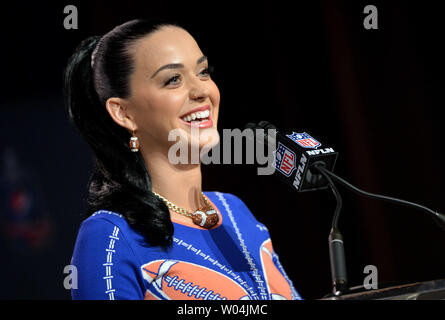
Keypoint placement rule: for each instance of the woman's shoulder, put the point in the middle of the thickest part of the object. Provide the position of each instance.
(103, 220)
(104, 216)
(223, 196)
(103, 226)
(232, 204)
(228, 199)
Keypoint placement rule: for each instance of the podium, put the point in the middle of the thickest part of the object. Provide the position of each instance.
(428, 290)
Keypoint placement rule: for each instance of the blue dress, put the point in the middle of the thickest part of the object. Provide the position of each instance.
(234, 260)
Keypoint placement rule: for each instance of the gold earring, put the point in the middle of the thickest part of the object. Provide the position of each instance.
(134, 143)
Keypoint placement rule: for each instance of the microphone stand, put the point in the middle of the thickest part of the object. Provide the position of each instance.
(336, 246)
(338, 263)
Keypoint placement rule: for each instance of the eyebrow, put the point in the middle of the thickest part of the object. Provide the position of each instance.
(177, 65)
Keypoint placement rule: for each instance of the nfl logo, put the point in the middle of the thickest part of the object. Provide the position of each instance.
(304, 140)
(284, 160)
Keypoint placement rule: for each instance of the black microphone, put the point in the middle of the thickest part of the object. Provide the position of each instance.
(297, 156)
(294, 155)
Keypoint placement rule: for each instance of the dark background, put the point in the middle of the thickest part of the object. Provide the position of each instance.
(374, 95)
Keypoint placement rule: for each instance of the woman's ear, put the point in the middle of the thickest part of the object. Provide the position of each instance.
(117, 109)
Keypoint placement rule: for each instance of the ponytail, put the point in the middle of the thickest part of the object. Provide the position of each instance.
(120, 181)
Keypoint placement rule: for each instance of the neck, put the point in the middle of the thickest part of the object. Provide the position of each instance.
(178, 183)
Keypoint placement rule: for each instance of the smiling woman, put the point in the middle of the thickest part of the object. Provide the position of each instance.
(152, 233)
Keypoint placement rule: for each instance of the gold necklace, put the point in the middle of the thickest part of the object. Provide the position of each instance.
(205, 217)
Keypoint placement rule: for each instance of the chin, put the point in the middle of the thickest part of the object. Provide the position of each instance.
(203, 138)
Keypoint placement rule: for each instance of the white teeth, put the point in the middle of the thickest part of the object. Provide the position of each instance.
(197, 115)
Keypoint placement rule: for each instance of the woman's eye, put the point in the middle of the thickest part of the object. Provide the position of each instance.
(172, 80)
(207, 71)
(177, 78)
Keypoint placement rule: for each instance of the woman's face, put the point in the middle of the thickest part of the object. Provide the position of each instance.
(171, 89)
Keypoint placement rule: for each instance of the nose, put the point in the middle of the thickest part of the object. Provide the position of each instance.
(198, 90)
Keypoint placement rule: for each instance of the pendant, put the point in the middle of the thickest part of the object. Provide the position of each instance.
(205, 219)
